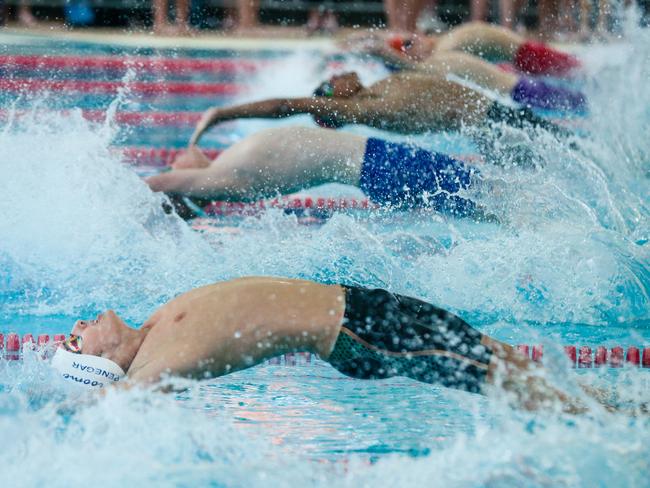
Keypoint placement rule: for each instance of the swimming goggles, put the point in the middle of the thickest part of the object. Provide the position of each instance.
(325, 89)
(73, 344)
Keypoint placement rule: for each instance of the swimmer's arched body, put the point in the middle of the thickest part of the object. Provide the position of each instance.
(488, 41)
(287, 159)
(403, 102)
(522, 89)
(368, 334)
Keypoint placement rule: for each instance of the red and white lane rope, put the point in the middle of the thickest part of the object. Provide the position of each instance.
(111, 87)
(122, 63)
(292, 204)
(124, 118)
(579, 356)
(159, 65)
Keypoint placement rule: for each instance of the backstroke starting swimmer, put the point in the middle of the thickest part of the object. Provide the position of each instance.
(364, 333)
(287, 159)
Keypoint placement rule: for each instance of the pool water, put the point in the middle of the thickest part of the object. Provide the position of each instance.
(80, 232)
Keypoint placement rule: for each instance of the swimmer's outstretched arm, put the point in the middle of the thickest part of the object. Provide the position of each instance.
(370, 112)
(272, 109)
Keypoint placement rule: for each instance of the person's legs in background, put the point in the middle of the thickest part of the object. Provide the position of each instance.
(478, 10)
(402, 15)
(547, 12)
(507, 13)
(248, 14)
(161, 24)
(25, 16)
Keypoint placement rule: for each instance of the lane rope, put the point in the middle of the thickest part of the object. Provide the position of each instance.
(112, 87)
(160, 65)
(140, 63)
(125, 118)
(315, 206)
(13, 348)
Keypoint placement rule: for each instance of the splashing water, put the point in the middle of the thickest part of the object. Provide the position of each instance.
(80, 232)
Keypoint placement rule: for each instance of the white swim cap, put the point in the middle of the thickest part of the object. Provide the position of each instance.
(86, 370)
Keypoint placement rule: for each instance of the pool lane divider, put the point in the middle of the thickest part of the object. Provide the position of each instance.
(149, 64)
(590, 356)
(161, 65)
(155, 119)
(112, 87)
(13, 347)
(314, 206)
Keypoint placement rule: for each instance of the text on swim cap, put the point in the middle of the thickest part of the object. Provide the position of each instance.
(96, 371)
(83, 381)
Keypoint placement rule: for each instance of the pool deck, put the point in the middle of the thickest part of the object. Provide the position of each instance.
(263, 37)
(267, 37)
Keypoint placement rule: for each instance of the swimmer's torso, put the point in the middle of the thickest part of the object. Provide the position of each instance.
(418, 102)
(209, 330)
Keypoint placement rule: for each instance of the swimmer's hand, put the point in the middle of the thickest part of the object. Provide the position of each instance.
(208, 119)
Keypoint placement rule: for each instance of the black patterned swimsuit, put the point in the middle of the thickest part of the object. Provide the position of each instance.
(386, 335)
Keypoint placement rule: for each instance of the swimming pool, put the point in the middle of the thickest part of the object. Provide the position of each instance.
(80, 232)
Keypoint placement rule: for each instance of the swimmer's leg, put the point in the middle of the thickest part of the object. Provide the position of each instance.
(525, 380)
(385, 335)
(482, 39)
(498, 43)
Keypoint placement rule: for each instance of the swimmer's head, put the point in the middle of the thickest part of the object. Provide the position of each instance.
(85, 370)
(413, 46)
(400, 43)
(94, 355)
(101, 336)
(345, 85)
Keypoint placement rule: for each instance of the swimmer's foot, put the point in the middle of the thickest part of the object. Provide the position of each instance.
(193, 158)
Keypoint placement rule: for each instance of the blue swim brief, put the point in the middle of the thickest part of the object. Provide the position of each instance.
(406, 176)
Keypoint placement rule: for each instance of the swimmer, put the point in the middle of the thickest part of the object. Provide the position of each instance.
(364, 333)
(525, 90)
(407, 102)
(287, 159)
(488, 41)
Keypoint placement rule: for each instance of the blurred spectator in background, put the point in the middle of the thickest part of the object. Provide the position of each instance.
(25, 15)
(402, 15)
(322, 19)
(547, 13)
(584, 18)
(428, 20)
(161, 24)
(78, 13)
(247, 14)
(413, 16)
(508, 11)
